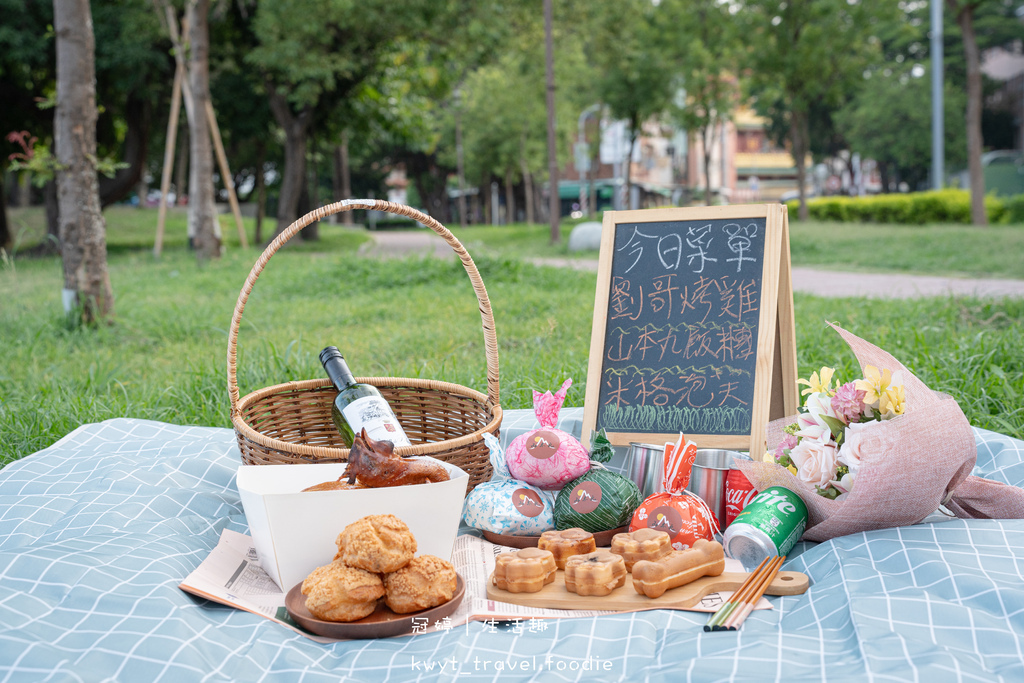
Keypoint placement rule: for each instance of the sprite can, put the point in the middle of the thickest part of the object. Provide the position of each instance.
(769, 525)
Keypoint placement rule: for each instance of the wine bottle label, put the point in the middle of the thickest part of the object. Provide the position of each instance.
(373, 414)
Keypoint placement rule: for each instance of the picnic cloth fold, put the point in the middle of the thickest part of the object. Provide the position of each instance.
(911, 465)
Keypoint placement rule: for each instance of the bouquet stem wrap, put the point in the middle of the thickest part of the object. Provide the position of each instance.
(910, 465)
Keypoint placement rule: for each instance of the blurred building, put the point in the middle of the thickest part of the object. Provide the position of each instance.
(667, 166)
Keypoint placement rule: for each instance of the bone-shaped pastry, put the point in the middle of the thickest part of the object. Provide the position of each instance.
(653, 577)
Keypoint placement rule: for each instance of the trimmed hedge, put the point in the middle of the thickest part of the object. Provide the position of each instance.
(915, 208)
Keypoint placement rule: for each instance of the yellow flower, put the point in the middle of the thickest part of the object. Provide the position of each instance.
(894, 402)
(770, 457)
(874, 384)
(820, 382)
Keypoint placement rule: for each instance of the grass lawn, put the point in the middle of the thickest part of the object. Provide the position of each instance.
(164, 359)
(954, 250)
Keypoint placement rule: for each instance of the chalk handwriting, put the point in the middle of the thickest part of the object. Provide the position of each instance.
(699, 239)
(739, 242)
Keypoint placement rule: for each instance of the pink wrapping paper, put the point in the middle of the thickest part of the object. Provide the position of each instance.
(555, 466)
(914, 463)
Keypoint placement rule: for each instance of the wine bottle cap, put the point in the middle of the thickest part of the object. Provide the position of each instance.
(328, 353)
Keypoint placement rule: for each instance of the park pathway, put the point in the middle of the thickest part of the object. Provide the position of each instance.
(805, 280)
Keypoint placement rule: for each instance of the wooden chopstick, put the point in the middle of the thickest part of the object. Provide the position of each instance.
(739, 616)
(715, 622)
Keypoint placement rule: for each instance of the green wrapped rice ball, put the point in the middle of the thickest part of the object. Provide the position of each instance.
(596, 501)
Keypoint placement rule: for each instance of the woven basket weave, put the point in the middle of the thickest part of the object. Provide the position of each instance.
(291, 423)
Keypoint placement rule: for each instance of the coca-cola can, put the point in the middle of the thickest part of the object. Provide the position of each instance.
(738, 493)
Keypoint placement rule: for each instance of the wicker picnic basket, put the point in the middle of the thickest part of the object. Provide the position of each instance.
(291, 423)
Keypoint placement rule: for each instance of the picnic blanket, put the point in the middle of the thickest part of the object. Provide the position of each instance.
(98, 530)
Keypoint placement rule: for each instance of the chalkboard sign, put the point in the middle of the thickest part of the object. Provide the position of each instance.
(687, 333)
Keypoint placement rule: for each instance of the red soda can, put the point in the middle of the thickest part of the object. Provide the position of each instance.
(738, 493)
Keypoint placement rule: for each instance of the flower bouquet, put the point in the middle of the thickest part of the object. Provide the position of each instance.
(880, 451)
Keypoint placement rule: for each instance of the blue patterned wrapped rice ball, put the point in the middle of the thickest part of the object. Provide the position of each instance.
(505, 505)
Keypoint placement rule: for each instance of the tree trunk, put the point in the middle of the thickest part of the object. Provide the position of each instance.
(24, 189)
(798, 137)
(342, 178)
(136, 139)
(592, 179)
(311, 194)
(510, 198)
(965, 18)
(5, 231)
(485, 191)
(528, 191)
(346, 177)
(203, 226)
(181, 165)
(705, 141)
(82, 231)
(51, 245)
(460, 165)
(261, 191)
(554, 202)
(634, 124)
(295, 128)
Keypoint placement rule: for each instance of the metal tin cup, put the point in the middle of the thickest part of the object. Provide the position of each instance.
(645, 465)
(710, 470)
(770, 525)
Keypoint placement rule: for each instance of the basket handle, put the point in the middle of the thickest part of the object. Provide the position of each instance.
(487, 317)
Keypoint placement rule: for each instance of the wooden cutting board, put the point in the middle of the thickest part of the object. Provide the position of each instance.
(626, 599)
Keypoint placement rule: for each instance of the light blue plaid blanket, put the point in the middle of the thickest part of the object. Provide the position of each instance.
(97, 531)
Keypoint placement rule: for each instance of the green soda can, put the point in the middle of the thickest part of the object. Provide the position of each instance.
(769, 525)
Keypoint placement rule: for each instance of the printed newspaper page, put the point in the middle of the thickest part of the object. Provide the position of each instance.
(232, 575)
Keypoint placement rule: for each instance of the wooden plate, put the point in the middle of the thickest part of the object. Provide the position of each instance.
(626, 599)
(602, 538)
(383, 623)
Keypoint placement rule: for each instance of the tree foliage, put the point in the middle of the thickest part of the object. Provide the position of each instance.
(810, 52)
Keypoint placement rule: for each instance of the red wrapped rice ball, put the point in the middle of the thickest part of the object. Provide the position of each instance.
(686, 518)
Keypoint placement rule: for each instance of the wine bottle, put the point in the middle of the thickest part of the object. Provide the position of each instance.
(359, 406)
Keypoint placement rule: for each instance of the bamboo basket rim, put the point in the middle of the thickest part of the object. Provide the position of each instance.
(324, 454)
(491, 400)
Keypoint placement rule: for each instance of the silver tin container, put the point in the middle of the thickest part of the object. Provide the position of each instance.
(645, 466)
(707, 480)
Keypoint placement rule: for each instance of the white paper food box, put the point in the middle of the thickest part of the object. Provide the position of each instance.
(294, 531)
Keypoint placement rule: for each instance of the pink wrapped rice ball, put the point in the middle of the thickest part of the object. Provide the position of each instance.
(547, 457)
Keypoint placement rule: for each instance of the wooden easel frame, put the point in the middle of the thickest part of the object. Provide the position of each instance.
(775, 388)
(182, 87)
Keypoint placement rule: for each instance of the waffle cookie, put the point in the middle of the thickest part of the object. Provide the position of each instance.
(565, 543)
(597, 573)
(524, 571)
(642, 544)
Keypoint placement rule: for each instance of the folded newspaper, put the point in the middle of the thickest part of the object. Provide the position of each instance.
(231, 575)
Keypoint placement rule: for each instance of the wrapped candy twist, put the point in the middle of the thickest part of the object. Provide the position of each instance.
(506, 506)
(685, 517)
(547, 457)
(598, 500)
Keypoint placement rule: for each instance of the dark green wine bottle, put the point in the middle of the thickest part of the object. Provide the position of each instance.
(360, 406)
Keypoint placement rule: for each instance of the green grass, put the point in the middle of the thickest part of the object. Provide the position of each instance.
(952, 250)
(164, 358)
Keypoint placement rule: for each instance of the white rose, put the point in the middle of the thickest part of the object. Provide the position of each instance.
(815, 462)
(853, 450)
(811, 424)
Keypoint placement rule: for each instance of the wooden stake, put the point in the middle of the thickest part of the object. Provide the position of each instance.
(225, 172)
(165, 179)
(218, 146)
